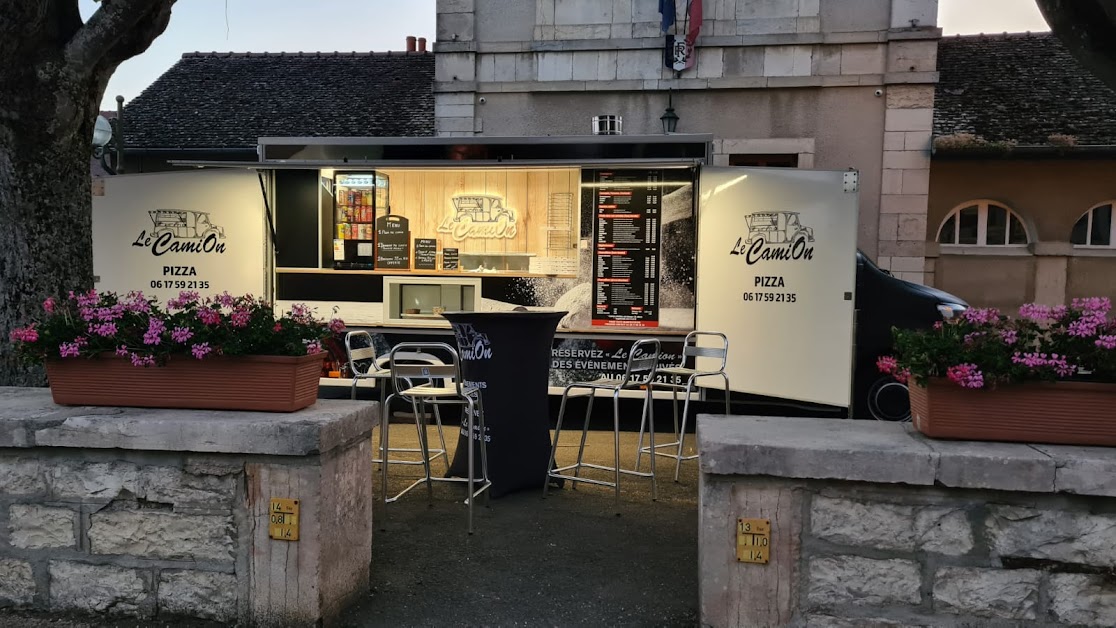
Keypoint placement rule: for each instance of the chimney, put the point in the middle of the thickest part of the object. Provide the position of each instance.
(411, 44)
(422, 44)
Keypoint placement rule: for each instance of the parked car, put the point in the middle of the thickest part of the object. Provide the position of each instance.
(884, 301)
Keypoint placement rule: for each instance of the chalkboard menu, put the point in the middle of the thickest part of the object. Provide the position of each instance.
(450, 259)
(627, 211)
(426, 254)
(393, 242)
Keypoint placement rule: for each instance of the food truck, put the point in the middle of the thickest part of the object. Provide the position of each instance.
(633, 236)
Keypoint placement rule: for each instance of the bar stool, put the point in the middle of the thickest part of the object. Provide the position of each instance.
(443, 386)
(365, 364)
(640, 370)
(690, 350)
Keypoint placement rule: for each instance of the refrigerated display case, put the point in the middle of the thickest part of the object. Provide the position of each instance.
(359, 198)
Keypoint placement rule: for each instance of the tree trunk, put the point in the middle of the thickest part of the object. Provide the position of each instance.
(45, 203)
(1087, 28)
(53, 74)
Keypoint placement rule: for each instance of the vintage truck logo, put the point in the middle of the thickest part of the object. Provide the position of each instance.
(775, 236)
(181, 231)
(473, 344)
(479, 216)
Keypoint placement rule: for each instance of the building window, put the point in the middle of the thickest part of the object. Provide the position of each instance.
(1096, 227)
(983, 223)
(764, 161)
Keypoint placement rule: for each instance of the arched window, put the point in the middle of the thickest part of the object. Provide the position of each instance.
(1096, 227)
(983, 223)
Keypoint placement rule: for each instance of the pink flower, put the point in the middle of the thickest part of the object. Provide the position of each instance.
(1009, 336)
(48, 305)
(1106, 342)
(971, 338)
(966, 375)
(89, 299)
(201, 350)
(104, 330)
(902, 376)
(240, 317)
(226, 300)
(301, 313)
(1086, 326)
(938, 325)
(1038, 361)
(142, 360)
(25, 334)
(1093, 305)
(337, 325)
(209, 316)
(181, 334)
(155, 329)
(135, 302)
(981, 316)
(887, 364)
(122, 351)
(278, 327)
(313, 346)
(69, 350)
(184, 300)
(1035, 313)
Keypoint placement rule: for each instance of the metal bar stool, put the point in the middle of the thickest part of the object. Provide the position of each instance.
(443, 386)
(690, 351)
(365, 364)
(640, 370)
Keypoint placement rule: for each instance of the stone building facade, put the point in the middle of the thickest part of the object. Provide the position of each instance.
(829, 84)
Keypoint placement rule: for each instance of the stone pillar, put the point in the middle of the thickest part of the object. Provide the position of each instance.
(143, 512)
(1051, 271)
(904, 200)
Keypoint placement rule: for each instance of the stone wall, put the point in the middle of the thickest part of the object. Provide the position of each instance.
(182, 530)
(108, 534)
(875, 526)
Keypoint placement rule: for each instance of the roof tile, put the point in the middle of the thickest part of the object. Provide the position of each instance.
(1021, 87)
(229, 100)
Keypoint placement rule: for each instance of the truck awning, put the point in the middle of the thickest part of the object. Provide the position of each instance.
(313, 164)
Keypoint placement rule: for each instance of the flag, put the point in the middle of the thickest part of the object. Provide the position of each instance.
(666, 8)
(694, 16)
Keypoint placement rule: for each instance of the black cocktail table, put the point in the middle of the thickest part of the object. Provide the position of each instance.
(507, 355)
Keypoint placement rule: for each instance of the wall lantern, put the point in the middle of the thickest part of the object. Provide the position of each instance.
(669, 118)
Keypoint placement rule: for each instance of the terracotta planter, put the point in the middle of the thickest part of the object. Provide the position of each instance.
(1064, 413)
(258, 382)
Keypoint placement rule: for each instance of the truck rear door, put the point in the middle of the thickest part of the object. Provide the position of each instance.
(787, 307)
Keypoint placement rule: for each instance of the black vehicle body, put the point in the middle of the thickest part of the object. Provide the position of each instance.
(884, 302)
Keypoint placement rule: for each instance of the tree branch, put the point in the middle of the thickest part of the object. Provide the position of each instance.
(108, 26)
(1087, 28)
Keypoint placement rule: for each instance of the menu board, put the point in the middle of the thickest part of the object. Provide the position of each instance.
(393, 242)
(627, 210)
(450, 259)
(426, 253)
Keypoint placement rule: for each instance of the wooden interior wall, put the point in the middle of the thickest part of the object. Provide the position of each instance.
(424, 198)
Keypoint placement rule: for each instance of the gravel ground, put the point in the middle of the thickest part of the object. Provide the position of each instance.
(568, 560)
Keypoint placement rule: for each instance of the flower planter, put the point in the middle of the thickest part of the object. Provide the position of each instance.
(261, 383)
(1063, 413)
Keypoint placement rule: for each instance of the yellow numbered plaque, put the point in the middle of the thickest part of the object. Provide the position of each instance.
(282, 522)
(753, 540)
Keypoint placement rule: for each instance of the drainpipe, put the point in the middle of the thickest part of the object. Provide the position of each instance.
(119, 135)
